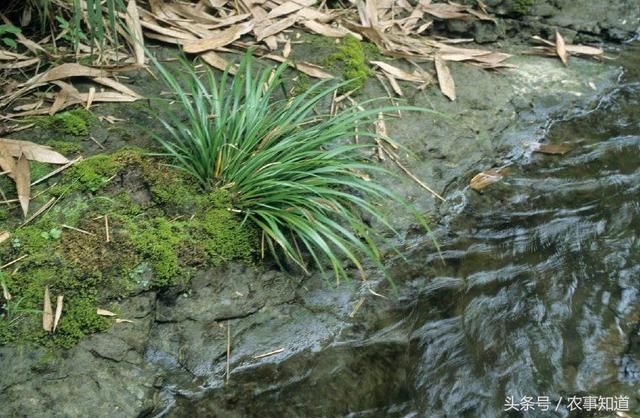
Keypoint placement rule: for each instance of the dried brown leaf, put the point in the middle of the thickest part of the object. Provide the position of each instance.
(47, 312)
(104, 312)
(4, 235)
(303, 67)
(447, 85)
(7, 163)
(117, 86)
(552, 149)
(56, 319)
(418, 77)
(5, 292)
(23, 183)
(583, 50)
(132, 19)
(328, 30)
(216, 61)
(32, 151)
(67, 70)
(561, 50)
(267, 29)
(218, 39)
(444, 11)
(286, 50)
(488, 177)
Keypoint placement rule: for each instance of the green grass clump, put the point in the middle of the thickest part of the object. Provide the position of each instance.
(294, 173)
(352, 60)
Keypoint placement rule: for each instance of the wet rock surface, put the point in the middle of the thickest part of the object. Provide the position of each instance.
(296, 347)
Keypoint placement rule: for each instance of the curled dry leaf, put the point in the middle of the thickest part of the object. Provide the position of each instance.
(445, 80)
(561, 50)
(4, 235)
(552, 149)
(32, 151)
(23, 183)
(104, 312)
(47, 312)
(488, 177)
(5, 292)
(58, 314)
(7, 163)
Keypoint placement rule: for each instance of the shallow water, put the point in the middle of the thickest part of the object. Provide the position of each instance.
(540, 294)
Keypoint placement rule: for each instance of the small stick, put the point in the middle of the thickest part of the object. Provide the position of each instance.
(410, 174)
(228, 351)
(78, 230)
(56, 171)
(13, 262)
(96, 142)
(106, 228)
(270, 353)
(356, 308)
(39, 211)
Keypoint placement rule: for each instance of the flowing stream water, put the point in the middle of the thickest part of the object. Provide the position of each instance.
(538, 306)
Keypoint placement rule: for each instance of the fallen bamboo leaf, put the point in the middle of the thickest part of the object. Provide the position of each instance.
(5, 292)
(286, 50)
(104, 312)
(561, 49)
(419, 77)
(67, 70)
(218, 39)
(329, 31)
(124, 321)
(303, 67)
(217, 62)
(7, 163)
(58, 314)
(23, 183)
(264, 31)
(583, 50)
(47, 312)
(447, 85)
(90, 97)
(552, 149)
(488, 177)
(132, 19)
(4, 235)
(32, 151)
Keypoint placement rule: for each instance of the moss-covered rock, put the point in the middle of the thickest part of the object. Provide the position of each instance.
(151, 244)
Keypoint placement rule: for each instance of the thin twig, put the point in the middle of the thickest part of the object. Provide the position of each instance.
(56, 171)
(39, 211)
(13, 262)
(270, 353)
(410, 174)
(96, 142)
(228, 351)
(106, 227)
(78, 230)
(356, 308)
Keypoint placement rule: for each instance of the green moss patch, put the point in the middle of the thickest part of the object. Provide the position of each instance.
(351, 60)
(161, 228)
(74, 122)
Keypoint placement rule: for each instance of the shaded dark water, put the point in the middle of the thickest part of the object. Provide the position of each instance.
(539, 306)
